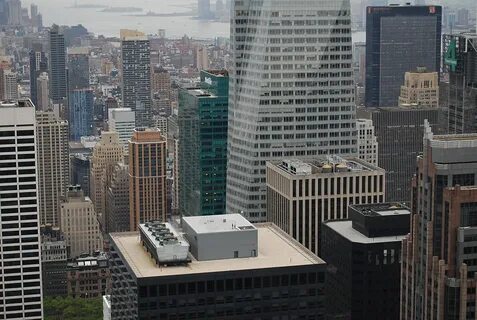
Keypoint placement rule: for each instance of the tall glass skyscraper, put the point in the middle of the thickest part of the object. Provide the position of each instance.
(80, 115)
(57, 65)
(291, 91)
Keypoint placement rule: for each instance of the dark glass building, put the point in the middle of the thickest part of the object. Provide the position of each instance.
(80, 171)
(38, 64)
(363, 257)
(58, 83)
(80, 115)
(399, 39)
(203, 116)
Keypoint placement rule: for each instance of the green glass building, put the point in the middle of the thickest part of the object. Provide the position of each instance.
(203, 117)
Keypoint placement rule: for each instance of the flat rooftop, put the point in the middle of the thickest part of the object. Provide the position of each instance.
(382, 209)
(345, 228)
(275, 249)
(219, 223)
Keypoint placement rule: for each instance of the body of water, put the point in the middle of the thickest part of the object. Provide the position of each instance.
(63, 12)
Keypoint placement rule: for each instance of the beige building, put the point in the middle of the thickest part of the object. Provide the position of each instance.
(10, 83)
(161, 82)
(301, 195)
(79, 223)
(106, 153)
(367, 141)
(52, 164)
(147, 177)
(43, 92)
(420, 88)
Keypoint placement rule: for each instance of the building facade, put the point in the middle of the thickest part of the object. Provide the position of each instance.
(88, 276)
(301, 195)
(43, 92)
(203, 122)
(78, 68)
(136, 75)
(399, 133)
(38, 65)
(363, 257)
(10, 85)
(80, 171)
(147, 177)
(80, 113)
(53, 165)
(367, 142)
(286, 100)
(399, 39)
(54, 257)
(117, 199)
(21, 289)
(433, 256)
(57, 65)
(79, 223)
(421, 88)
(122, 121)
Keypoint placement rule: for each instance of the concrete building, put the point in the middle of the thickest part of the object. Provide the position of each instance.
(160, 123)
(147, 177)
(21, 289)
(52, 164)
(442, 225)
(363, 256)
(10, 82)
(459, 93)
(421, 88)
(57, 66)
(54, 257)
(136, 75)
(122, 121)
(79, 223)
(81, 113)
(43, 92)
(367, 142)
(284, 279)
(202, 58)
(284, 101)
(161, 83)
(88, 276)
(106, 153)
(399, 38)
(301, 195)
(117, 199)
(38, 66)
(203, 123)
(399, 133)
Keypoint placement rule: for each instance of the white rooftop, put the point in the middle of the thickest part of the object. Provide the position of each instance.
(219, 223)
(392, 212)
(345, 228)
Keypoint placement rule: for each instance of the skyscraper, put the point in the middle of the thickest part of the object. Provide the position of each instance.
(421, 88)
(78, 68)
(38, 65)
(136, 75)
(203, 114)
(203, 9)
(399, 39)
(290, 98)
(367, 142)
(437, 267)
(52, 164)
(117, 199)
(10, 82)
(147, 177)
(21, 291)
(43, 92)
(459, 93)
(57, 65)
(122, 121)
(80, 113)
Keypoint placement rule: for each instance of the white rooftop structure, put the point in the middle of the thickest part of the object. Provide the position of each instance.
(345, 229)
(218, 223)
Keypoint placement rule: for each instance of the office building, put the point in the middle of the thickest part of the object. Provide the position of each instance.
(284, 102)
(202, 58)
(421, 88)
(203, 117)
(10, 83)
(54, 257)
(399, 39)
(53, 165)
(106, 153)
(122, 121)
(79, 223)
(78, 68)
(38, 65)
(117, 199)
(136, 75)
(440, 244)
(160, 123)
(161, 82)
(80, 171)
(363, 257)
(57, 65)
(21, 290)
(459, 93)
(280, 278)
(147, 177)
(301, 195)
(80, 113)
(203, 9)
(399, 133)
(88, 276)
(42, 92)
(367, 141)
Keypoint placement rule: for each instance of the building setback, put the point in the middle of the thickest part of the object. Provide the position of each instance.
(399, 132)
(399, 39)
(203, 118)
(363, 257)
(442, 224)
(284, 279)
(301, 195)
(20, 289)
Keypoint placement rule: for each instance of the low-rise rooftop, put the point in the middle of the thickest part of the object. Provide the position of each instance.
(345, 229)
